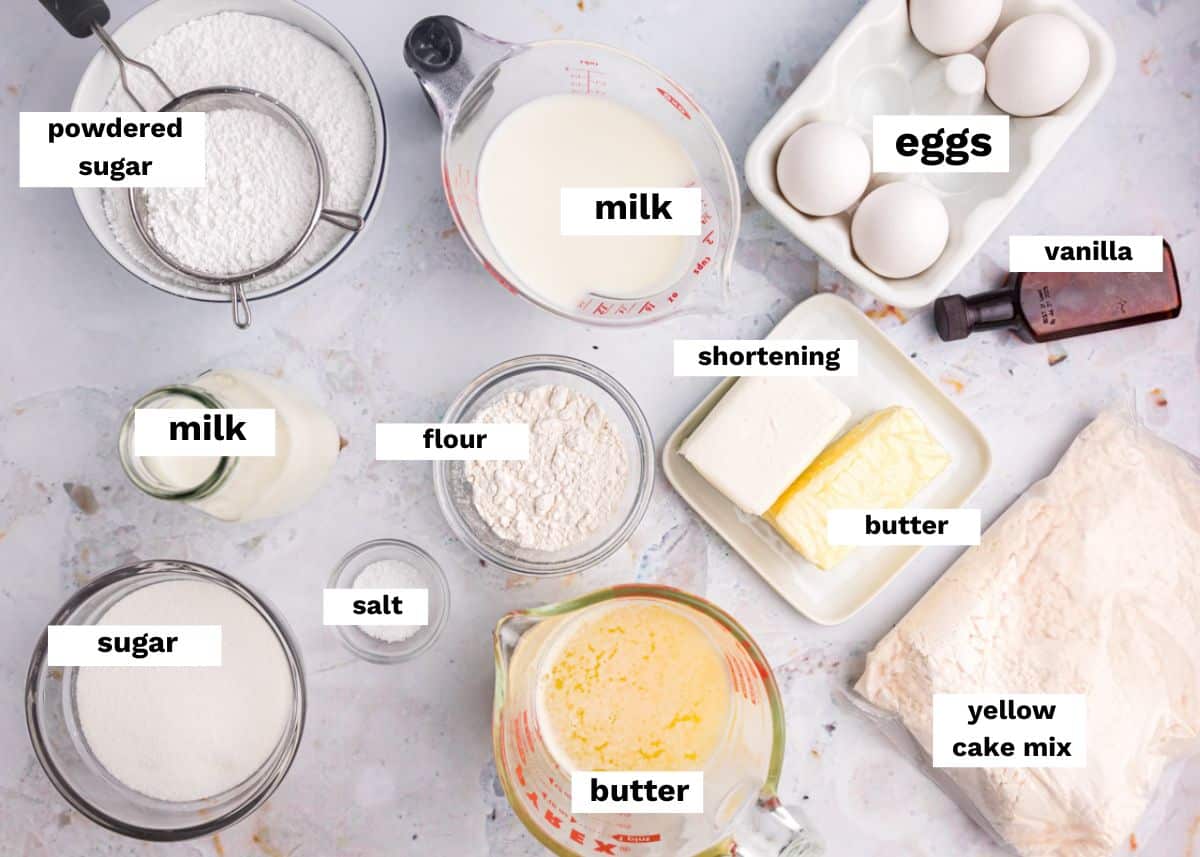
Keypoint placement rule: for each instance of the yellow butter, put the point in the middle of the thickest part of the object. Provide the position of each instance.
(636, 686)
(881, 463)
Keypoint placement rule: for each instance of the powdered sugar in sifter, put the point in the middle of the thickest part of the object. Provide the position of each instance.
(83, 18)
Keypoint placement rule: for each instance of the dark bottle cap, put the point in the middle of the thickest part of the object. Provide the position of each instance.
(953, 317)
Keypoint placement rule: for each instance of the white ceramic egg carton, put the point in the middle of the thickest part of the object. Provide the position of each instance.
(869, 70)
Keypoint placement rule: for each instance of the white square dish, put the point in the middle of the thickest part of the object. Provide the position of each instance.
(886, 377)
(868, 71)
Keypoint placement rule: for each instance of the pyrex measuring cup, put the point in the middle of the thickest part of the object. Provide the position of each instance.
(474, 82)
(742, 813)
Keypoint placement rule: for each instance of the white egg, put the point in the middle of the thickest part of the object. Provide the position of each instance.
(900, 229)
(823, 168)
(1037, 64)
(947, 27)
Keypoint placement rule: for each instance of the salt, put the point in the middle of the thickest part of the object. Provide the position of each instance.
(283, 61)
(390, 574)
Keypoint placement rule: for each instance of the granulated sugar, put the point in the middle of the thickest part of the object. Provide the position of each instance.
(186, 733)
(254, 51)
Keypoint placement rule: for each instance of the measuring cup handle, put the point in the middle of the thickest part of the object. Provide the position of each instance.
(774, 830)
(78, 16)
(434, 44)
(449, 59)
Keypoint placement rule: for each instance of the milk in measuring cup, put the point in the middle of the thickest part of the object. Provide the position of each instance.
(306, 445)
(633, 686)
(566, 141)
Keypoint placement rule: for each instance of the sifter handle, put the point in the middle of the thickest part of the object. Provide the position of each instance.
(78, 16)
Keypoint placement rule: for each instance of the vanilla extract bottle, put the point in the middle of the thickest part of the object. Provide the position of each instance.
(1043, 307)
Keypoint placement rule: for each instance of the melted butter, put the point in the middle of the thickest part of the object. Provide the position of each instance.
(635, 687)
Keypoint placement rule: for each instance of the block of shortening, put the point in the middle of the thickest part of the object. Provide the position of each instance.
(761, 435)
(881, 463)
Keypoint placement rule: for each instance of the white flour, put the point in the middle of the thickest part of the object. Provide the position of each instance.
(232, 48)
(186, 733)
(390, 574)
(572, 482)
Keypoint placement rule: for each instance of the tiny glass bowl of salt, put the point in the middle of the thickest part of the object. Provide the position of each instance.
(167, 753)
(391, 564)
(585, 486)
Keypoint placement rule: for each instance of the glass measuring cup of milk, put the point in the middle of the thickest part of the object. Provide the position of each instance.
(475, 82)
(742, 812)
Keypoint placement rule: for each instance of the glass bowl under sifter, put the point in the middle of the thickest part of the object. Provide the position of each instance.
(454, 490)
(371, 648)
(59, 744)
(136, 34)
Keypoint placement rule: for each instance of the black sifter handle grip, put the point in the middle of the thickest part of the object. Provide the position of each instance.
(434, 44)
(78, 16)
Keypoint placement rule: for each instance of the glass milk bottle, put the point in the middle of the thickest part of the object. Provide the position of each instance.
(234, 488)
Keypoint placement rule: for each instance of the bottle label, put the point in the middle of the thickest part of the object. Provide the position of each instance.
(133, 645)
(112, 149)
(713, 358)
(451, 442)
(630, 211)
(940, 144)
(376, 606)
(637, 792)
(191, 432)
(1086, 253)
(904, 527)
(1006, 730)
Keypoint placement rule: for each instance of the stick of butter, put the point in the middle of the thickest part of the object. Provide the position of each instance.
(881, 463)
(761, 435)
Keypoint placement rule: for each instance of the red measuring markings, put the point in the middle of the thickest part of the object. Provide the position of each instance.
(637, 839)
(648, 306)
(709, 239)
(587, 80)
(701, 265)
(601, 309)
(574, 833)
(674, 102)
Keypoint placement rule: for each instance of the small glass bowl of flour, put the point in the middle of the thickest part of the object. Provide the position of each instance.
(392, 564)
(586, 484)
(170, 753)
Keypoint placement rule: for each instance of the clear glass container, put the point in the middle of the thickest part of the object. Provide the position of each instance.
(231, 487)
(60, 747)
(474, 81)
(743, 813)
(134, 36)
(371, 648)
(145, 479)
(454, 490)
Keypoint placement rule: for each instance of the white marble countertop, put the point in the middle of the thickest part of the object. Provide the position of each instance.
(398, 759)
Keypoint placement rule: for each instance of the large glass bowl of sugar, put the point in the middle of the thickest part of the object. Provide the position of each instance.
(156, 20)
(478, 84)
(130, 717)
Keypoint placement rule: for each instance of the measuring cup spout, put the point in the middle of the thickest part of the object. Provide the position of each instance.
(448, 58)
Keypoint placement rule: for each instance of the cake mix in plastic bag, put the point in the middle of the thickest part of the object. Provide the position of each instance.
(1088, 584)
